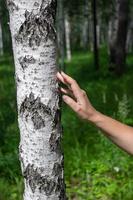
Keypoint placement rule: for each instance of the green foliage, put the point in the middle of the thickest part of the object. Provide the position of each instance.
(11, 190)
(95, 169)
(123, 108)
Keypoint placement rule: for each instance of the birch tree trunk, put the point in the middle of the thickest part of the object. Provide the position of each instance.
(118, 44)
(85, 26)
(95, 38)
(85, 34)
(113, 22)
(34, 47)
(1, 39)
(67, 35)
(129, 44)
(61, 33)
(91, 36)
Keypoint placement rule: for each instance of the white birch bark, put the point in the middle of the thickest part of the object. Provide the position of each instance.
(85, 34)
(85, 26)
(129, 44)
(113, 24)
(1, 39)
(34, 46)
(91, 32)
(67, 35)
(61, 33)
(98, 35)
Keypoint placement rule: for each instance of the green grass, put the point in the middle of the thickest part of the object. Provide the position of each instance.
(95, 169)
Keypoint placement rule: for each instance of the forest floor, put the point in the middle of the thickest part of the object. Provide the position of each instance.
(95, 169)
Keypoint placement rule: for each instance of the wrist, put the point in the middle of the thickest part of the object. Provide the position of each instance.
(95, 117)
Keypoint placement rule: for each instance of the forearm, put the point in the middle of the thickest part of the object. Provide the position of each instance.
(120, 134)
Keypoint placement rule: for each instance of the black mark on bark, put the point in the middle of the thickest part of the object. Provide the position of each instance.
(57, 169)
(17, 79)
(54, 142)
(61, 189)
(56, 118)
(26, 60)
(38, 27)
(38, 121)
(36, 4)
(36, 109)
(12, 6)
(44, 183)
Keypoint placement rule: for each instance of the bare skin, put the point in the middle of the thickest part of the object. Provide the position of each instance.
(76, 98)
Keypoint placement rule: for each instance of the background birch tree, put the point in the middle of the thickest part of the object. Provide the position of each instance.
(34, 47)
(67, 37)
(1, 37)
(118, 44)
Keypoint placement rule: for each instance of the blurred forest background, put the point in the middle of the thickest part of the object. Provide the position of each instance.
(95, 46)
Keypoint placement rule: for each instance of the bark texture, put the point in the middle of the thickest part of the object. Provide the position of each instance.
(38, 100)
(61, 33)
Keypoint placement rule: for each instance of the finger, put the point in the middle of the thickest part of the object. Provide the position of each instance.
(68, 92)
(74, 86)
(73, 104)
(60, 77)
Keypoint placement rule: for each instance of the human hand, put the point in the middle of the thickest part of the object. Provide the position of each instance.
(75, 97)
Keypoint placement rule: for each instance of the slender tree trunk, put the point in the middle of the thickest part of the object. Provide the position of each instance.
(85, 34)
(34, 46)
(113, 25)
(96, 56)
(1, 39)
(113, 22)
(98, 28)
(104, 33)
(61, 33)
(118, 45)
(85, 26)
(91, 36)
(129, 44)
(67, 35)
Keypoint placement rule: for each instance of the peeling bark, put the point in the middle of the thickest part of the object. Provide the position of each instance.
(34, 47)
